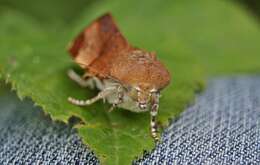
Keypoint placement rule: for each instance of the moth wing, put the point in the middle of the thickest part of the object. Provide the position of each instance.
(113, 52)
(89, 45)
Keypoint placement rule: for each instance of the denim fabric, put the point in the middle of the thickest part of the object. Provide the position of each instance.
(27, 136)
(221, 127)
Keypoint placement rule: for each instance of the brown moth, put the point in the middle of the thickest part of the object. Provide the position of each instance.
(127, 77)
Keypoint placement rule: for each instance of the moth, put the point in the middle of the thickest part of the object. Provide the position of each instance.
(127, 77)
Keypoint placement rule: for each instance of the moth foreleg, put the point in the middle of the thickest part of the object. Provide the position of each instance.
(153, 127)
(102, 94)
(153, 113)
(81, 81)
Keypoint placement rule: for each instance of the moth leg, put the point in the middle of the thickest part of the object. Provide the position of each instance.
(153, 127)
(120, 96)
(102, 94)
(153, 113)
(80, 80)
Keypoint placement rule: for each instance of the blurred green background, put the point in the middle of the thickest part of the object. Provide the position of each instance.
(69, 10)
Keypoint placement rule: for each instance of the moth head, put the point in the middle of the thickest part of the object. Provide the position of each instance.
(146, 96)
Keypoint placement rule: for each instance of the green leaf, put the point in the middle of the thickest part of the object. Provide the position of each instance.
(188, 36)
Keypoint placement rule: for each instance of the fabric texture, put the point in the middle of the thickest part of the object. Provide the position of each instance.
(27, 136)
(221, 127)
